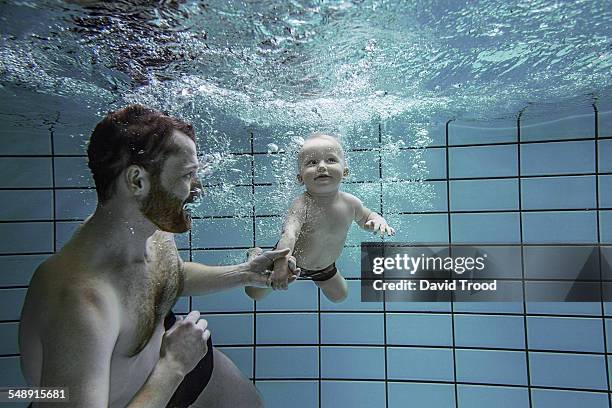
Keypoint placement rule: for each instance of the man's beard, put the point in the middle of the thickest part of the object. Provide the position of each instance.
(165, 210)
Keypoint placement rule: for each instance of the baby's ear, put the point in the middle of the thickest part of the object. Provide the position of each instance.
(299, 179)
(345, 172)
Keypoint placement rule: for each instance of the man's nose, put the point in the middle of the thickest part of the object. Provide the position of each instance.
(196, 187)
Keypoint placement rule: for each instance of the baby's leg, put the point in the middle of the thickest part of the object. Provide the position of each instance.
(252, 291)
(334, 288)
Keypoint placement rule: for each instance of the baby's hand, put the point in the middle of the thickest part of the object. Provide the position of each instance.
(282, 276)
(379, 225)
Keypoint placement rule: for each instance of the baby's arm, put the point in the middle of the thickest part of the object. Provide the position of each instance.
(291, 230)
(367, 219)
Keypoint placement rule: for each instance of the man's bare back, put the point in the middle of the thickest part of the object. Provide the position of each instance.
(138, 302)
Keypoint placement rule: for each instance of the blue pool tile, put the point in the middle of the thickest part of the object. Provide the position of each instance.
(405, 196)
(494, 228)
(301, 296)
(416, 164)
(181, 305)
(420, 228)
(568, 399)
(367, 193)
(287, 362)
(605, 191)
(557, 158)
(347, 328)
(267, 230)
(234, 300)
(564, 308)
(10, 372)
(232, 169)
(222, 232)
(23, 172)
(233, 130)
(75, 204)
(560, 227)
(275, 168)
(72, 172)
(282, 135)
(26, 205)
(402, 395)
(479, 396)
(363, 135)
(71, 139)
(226, 200)
(483, 161)
(565, 334)
(414, 134)
(418, 306)
(220, 256)
(460, 132)
(489, 307)
(182, 241)
(296, 394)
(605, 226)
(287, 328)
(11, 302)
(275, 199)
(487, 366)
(604, 119)
(26, 237)
(604, 151)
(8, 338)
(242, 357)
(419, 329)
(353, 362)
(573, 127)
(229, 329)
(353, 301)
(474, 195)
(17, 270)
(349, 263)
(558, 192)
(567, 370)
(357, 394)
(489, 331)
(408, 363)
(30, 140)
(64, 231)
(363, 165)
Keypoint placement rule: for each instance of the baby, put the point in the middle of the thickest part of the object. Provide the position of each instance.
(317, 223)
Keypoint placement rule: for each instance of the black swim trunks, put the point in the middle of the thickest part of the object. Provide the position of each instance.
(196, 380)
(320, 275)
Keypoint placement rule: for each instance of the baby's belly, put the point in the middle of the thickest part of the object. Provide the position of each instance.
(128, 374)
(314, 255)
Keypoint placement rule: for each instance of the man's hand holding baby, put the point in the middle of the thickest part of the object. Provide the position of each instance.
(285, 272)
(378, 225)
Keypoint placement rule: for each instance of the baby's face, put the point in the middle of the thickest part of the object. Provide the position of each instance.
(321, 165)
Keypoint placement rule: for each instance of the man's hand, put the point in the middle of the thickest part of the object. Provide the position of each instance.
(185, 343)
(378, 225)
(281, 275)
(259, 269)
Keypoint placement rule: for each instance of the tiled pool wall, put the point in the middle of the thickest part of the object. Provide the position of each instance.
(525, 182)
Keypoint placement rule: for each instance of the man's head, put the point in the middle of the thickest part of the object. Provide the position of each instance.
(321, 163)
(151, 157)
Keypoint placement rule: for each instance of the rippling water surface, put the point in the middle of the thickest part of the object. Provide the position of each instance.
(287, 68)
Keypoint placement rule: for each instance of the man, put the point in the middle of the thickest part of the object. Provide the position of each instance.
(97, 317)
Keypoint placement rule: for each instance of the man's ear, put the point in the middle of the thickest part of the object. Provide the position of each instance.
(137, 180)
(345, 172)
(299, 179)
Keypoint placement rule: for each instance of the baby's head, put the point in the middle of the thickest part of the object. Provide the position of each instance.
(321, 163)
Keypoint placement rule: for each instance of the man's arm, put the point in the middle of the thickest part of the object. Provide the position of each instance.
(204, 279)
(77, 351)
